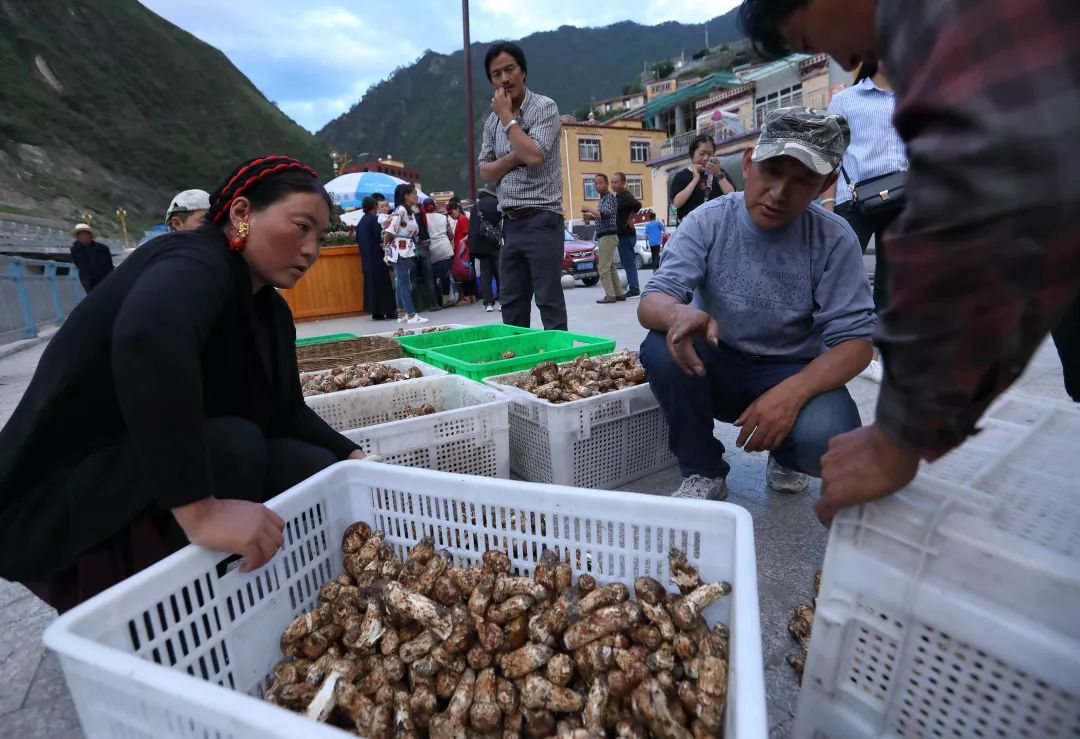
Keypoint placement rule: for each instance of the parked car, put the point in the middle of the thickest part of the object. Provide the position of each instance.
(580, 259)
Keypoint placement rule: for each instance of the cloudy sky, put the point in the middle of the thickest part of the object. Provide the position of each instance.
(315, 59)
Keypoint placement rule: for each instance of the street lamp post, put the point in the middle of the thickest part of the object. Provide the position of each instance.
(122, 215)
(470, 143)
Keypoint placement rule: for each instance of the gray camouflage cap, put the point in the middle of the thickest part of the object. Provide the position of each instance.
(815, 137)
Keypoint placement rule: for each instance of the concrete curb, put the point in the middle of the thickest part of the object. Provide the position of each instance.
(15, 347)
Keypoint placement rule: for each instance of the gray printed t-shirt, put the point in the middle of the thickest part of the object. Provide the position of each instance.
(786, 293)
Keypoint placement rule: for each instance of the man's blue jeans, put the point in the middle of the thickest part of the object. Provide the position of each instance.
(629, 263)
(405, 269)
(732, 382)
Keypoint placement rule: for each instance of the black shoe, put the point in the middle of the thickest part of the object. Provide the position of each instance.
(434, 308)
(633, 293)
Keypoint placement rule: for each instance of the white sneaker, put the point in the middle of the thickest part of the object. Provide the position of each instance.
(417, 319)
(699, 487)
(498, 306)
(402, 319)
(783, 480)
(874, 371)
(489, 308)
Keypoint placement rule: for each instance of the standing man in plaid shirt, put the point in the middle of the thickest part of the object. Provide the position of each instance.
(986, 256)
(520, 151)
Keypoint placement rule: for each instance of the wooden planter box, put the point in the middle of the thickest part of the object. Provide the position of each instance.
(334, 286)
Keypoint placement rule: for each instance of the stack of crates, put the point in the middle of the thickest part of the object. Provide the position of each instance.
(952, 609)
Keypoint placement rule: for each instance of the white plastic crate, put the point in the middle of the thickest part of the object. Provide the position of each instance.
(420, 328)
(600, 442)
(468, 434)
(180, 649)
(952, 609)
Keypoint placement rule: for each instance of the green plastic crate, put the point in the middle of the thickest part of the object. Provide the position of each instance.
(419, 345)
(479, 359)
(324, 339)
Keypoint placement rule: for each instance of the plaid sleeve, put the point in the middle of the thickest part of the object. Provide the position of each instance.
(487, 145)
(986, 255)
(545, 132)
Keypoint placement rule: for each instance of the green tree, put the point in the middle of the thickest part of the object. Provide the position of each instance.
(663, 69)
(632, 88)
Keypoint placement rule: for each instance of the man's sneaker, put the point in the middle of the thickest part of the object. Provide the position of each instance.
(489, 308)
(874, 371)
(418, 319)
(402, 318)
(699, 487)
(783, 480)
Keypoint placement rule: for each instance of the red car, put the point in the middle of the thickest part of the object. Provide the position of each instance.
(580, 259)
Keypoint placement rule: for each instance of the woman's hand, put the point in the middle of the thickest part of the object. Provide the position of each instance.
(713, 167)
(236, 526)
(359, 454)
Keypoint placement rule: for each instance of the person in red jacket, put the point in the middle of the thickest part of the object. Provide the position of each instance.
(462, 270)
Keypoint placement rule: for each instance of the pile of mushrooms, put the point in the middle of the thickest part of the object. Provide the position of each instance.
(800, 625)
(425, 648)
(354, 376)
(412, 332)
(585, 377)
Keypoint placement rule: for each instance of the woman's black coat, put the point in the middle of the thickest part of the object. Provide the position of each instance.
(174, 337)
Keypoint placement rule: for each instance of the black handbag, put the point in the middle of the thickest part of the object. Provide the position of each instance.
(878, 195)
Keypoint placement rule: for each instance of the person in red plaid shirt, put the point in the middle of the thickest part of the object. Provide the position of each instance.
(986, 255)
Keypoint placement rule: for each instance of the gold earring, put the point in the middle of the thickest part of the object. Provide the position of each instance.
(238, 242)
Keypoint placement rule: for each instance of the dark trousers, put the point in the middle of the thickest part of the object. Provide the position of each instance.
(123, 537)
(655, 264)
(1067, 340)
(488, 262)
(732, 382)
(865, 227)
(441, 272)
(426, 285)
(629, 262)
(531, 263)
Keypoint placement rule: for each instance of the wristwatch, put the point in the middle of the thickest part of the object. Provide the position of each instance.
(511, 122)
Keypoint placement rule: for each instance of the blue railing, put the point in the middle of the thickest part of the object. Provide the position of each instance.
(35, 293)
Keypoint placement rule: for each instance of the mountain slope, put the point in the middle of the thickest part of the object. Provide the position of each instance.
(105, 104)
(418, 114)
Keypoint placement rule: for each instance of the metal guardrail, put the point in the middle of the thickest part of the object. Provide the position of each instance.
(35, 293)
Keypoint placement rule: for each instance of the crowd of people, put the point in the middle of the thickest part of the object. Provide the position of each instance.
(167, 407)
(411, 252)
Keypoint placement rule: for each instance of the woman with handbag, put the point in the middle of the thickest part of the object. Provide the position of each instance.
(869, 194)
(399, 240)
(485, 239)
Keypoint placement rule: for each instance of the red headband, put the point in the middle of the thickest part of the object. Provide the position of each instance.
(287, 163)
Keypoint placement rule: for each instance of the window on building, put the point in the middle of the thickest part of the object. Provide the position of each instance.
(633, 184)
(780, 99)
(589, 150)
(639, 151)
(590, 187)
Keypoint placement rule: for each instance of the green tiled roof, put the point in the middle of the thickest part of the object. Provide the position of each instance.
(692, 92)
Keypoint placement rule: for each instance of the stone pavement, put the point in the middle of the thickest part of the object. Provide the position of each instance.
(790, 543)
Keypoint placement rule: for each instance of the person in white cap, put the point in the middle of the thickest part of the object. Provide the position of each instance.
(187, 210)
(93, 259)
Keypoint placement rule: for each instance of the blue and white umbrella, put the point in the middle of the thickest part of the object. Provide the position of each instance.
(349, 189)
